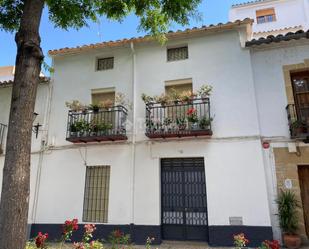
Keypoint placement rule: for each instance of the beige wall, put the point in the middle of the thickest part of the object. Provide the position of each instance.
(287, 168)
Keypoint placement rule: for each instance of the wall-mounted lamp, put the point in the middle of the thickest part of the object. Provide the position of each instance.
(36, 127)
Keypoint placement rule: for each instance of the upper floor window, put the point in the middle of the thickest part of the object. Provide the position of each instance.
(105, 63)
(265, 15)
(178, 53)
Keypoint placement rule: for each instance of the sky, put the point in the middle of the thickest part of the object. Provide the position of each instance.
(213, 12)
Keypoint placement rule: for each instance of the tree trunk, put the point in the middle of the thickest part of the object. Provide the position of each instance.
(16, 173)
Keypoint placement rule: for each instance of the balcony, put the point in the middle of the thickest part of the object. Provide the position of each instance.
(97, 125)
(2, 132)
(298, 122)
(190, 119)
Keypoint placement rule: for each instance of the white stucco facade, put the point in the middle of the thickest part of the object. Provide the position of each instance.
(291, 15)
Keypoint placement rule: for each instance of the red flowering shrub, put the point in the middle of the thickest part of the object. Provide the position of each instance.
(192, 115)
(40, 240)
(270, 244)
(68, 228)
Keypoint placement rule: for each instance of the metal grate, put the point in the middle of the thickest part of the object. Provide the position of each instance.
(96, 194)
(184, 202)
(175, 54)
(105, 63)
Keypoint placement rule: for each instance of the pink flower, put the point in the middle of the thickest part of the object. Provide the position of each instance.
(89, 228)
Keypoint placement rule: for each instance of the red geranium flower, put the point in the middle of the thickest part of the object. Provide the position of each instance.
(40, 240)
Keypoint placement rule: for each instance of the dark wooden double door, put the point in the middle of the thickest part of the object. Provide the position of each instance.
(303, 174)
(183, 199)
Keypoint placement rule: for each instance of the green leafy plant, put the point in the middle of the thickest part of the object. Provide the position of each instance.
(205, 122)
(181, 123)
(117, 237)
(175, 96)
(163, 99)
(149, 242)
(147, 99)
(95, 107)
(287, 211)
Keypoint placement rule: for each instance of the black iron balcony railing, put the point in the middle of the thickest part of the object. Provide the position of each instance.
(96, 126)
(298, 122)
(2, 135)
(179, 119)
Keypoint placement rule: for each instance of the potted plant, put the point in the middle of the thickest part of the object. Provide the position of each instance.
(148, 100)
(73, 130)
(175, 96)
(205, 122)
(167, 123)
(204, 92)
(95, 108)
(163, 99)
(288, 218)
(297, 127)
(75, 106)
(181, 123)
(192, 118)
(106, 104)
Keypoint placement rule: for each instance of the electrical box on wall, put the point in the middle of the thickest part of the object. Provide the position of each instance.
(292, 147)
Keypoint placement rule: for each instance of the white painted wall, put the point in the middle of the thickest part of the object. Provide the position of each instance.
(235, 183)
(40, 108)
(268, 75)
(289, 13)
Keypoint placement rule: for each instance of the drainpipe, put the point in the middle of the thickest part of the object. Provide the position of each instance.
(44, 147)
(133, 149)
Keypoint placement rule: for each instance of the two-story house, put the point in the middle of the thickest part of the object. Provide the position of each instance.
(160, 169)
(273, 17)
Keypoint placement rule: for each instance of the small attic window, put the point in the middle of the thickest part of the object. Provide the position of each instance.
(265, 15)
(105, 63)
(178, 53)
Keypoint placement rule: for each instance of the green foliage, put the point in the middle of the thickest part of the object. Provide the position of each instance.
(30, 245)
(155, 15)
(287, 208)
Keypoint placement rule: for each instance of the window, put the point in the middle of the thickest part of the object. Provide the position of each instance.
(300, 83)
(179, 53)
(96, 194)
(105, 63)
(103, 95)
(175, 89)
(265, 15)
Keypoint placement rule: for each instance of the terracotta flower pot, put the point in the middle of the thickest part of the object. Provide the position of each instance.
(292, 241)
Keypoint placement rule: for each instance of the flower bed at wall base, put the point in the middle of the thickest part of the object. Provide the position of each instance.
(117, 239)
(240, 241)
